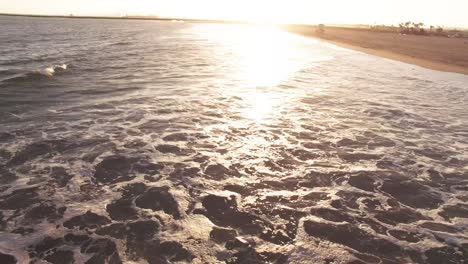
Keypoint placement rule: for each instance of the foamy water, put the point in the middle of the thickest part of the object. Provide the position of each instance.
(159, 142)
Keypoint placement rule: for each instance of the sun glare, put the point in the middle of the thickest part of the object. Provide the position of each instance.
(260, 105)
(265, 60)
(260, 11)
(260, 58)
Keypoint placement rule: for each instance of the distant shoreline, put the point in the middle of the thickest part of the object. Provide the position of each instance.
(432, 52)
(195, 20)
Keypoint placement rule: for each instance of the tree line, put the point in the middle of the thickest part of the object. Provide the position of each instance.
(414, 28)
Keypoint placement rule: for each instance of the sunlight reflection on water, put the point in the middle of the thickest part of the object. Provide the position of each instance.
(260, 59)
(267, 58)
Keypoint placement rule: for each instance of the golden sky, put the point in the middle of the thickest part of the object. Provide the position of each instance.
(434, 12)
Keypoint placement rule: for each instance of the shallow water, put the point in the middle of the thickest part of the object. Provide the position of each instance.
(159, 142)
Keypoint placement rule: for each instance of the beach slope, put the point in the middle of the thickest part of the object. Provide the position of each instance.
(438, 53)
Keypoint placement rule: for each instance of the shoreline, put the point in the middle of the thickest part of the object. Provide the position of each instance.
(423, 51)
(144, 18)
(431, 52)
(432, 65)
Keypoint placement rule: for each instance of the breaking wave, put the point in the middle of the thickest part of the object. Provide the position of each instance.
(38, 74)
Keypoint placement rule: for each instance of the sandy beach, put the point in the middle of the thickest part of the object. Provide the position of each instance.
(438, 53)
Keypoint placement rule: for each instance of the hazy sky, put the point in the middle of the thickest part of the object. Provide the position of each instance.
(435, 12)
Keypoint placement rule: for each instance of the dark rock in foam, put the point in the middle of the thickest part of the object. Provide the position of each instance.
(184, 136)
(118, 230)
(401, 215)
(165, 148)
(23, 231)
(44, 211)
(223, 211)
(103, 250)
(222, 235)
(5, 136)
(185, 172)
(114, 169)
(61, 176)
(362, 181)
(251, 256)
(177, 137)
(7, 259)
(332, 215)
(40, 148)
(6, 176)
(219, 204)
(2, 221)
(351, 199)
(75, 239)
(133, 190)
(452, 211)
(358, 156)
(61, 257)
(319, 179)
(44, 247)
(142, 230)
(219, 171)
(30, 152)
(446, 255)
(19, 199)
(412, 193)
(411, 237)
(87, 220)
(160, 252)
(159, 198)
(355, 238)
(439, 227)
(122, 209)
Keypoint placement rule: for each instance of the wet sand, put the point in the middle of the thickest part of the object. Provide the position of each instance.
(438, 53)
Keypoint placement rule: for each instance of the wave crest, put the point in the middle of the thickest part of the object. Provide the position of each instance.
(39, 74)
(50, 71)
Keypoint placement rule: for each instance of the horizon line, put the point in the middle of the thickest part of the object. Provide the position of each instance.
(196, 20)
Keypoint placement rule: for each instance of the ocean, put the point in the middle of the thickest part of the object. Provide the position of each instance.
(168, 142)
